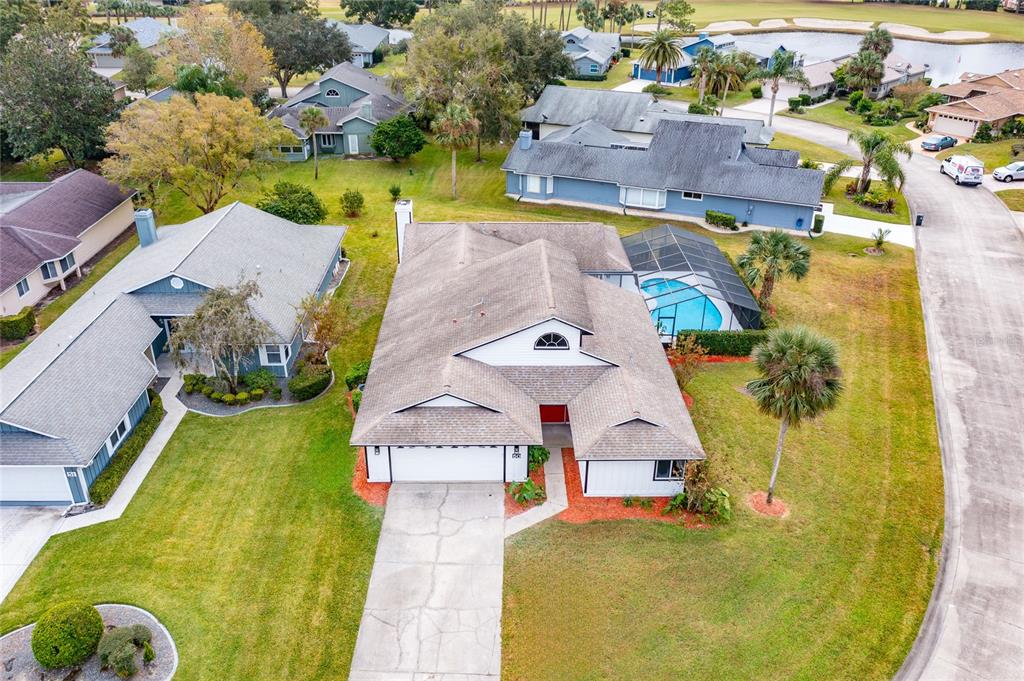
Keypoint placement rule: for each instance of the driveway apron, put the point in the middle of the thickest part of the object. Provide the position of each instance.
(433, 607)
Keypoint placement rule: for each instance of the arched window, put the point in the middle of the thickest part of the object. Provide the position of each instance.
(332, 93)
(551, 341)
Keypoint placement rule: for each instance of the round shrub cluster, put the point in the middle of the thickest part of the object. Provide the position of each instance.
(66, 635)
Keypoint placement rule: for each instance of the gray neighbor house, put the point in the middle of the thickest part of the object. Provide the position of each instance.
(591, 52)
(72, 396)
(354, 101)
(147, 31)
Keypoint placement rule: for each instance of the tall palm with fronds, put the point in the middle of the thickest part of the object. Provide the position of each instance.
(879, 151)
(877, 40)
(661, 51)
(706, 64)
(771, 256)
(800, 379)
(455, 128)
(312, 119)
(865, 70)
(734, 71)
(782, 66)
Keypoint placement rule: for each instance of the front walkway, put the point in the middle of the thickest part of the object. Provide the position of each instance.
(862, 227)
(433, 607)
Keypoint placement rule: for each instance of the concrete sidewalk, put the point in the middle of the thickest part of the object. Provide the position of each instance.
(851, 226)
(556, 501)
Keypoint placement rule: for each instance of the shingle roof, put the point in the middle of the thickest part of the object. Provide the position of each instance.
(350, 75)
(820, 73)
(991, 107)
(684, 156)
(364, 37)
(374, 108)
(88, 388)
(147, 30)
(463, 284)
(637, 112)
(43, 221)
(589, 134)
(599, 47)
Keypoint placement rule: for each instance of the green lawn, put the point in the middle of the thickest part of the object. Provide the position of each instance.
(807, 149)
(992, 154)
(835, 114)
(844, 205)
(617, 75)
(1013, 198)
(246, 541)
(835, 591)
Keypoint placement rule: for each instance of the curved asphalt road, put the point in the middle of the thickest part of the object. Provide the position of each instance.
(970, 262)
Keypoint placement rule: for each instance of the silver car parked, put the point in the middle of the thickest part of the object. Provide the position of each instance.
(1009, 172)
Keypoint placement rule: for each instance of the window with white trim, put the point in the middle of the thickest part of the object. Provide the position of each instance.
(117, 437)
(639, 197)
(49, 269)
(670, 470)
(593, 68)
(327, 140)
(693, 196)
(332, 93)
(67, 262)
(23, 287)
(533, 184)
(276, 354)
(551, 341)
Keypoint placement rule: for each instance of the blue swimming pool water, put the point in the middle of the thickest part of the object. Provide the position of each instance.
(680, 306)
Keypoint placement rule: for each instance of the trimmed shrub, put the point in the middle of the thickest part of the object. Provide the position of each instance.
(242, 398)
(216, 397)
(855, 98)
(757, 92)
(228, 399)
(352, 202)
(731, 343)
(107, 482)
(148, 654)
(655, 89)
(17, 326)
(720, 219)
(66, 635)
(357, 374)
(357, 399)
(193, 383)
(805, 99)
(397, 138)
(276, 392)
(118, 646)
(701, 109)
(208, 391)
(396, 191)
(312, 380)
(536, 456)
(795, 104)
(257, 394)
(294, 202)
(588, 76)
(260, 378)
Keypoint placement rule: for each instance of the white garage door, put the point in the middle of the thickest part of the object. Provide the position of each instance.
(447, 464)
(953, 126)
(33, 483)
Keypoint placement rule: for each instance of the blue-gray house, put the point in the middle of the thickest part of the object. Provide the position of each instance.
(687, 169)
(725, 42)
(354, 102)
(72, 397)
(148, 33)
(591, 52)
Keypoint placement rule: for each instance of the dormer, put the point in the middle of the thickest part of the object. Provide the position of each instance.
(549, 343)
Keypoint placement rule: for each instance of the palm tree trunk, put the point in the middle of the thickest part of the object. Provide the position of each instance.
(865, 178)
(478, 156)
(771, 108)
(767, 287)
(454, 194)
(725, 93)
(659, 15)
(783, 427)
(316, 159)
(657, 76)
(703, 82)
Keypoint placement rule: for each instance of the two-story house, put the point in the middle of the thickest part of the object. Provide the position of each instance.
(591, 52)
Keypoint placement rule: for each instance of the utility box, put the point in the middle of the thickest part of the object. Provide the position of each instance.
(919, 219)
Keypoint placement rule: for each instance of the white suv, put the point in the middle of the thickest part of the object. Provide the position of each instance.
(963, 169)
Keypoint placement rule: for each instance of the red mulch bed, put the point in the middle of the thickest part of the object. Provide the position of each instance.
(586, 509)
(759, 502)
(716, 359)
(688, 400)
(374, 493)
(512, 507)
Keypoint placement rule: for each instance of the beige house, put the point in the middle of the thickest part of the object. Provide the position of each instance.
(978, 98)
(48, 230)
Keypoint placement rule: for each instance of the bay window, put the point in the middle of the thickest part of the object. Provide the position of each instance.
(638, 197)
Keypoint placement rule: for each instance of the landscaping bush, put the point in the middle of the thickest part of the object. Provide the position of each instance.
(396, 191)
(357, 373)
(106, 483)
(276, 392)
(756, 92)
(228, 399)
(397, 138)
(294, 202)
(262, 378)
(701, 495)
(877, 199)
(983, 133)
(625, 51)
(312, 380)
(242, 398)
(257, 394)
(655, 89)
(17, 326)
(805, 99)
(855, 98)
(819, 223)
(118, 646)
(208, 390)
(794, 104)
(686, 357)
(731, 343)
(588, 76)
(357, 399)
(352, 202)
(720, 219)
(218, 384)
(864, 106)
(66, 635)
(216, 396)
(536, 456)
(701, 109)
(194, 383)
(526, 492)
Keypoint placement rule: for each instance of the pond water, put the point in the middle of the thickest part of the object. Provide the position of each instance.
(945, 61)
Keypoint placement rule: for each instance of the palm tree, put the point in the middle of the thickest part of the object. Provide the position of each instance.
(877, 40)
(706, 64)
(455, 128)
(781, 66)
(864, 71)
(800, 379)
(771, 256)
(661, 51)
(881, 152)
(833, 174)
(734, 70)
(312, 119)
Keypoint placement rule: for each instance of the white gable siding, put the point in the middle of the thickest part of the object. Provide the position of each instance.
(446, 401)
(517, 349)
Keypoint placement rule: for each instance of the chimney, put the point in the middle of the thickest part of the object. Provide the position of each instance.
(366, 110)
(145, 225)
(525, 139)
(403, 218)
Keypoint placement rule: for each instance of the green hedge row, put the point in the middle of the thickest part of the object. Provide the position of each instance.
(732, 343)
(588, 76)
(17, 326)
(727, 220)
(107, 482)
(356, 374)
(311, 380)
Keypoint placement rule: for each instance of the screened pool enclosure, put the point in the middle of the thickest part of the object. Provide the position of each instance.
(688, 283)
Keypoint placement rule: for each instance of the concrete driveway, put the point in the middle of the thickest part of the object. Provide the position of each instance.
(433, 607)
(23, 531)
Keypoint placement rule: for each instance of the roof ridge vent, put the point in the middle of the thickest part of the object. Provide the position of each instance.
(546, 275)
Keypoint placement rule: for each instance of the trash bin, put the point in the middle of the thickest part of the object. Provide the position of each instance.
(919, 219)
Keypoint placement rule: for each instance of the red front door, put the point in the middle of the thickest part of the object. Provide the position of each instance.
(554, 413)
